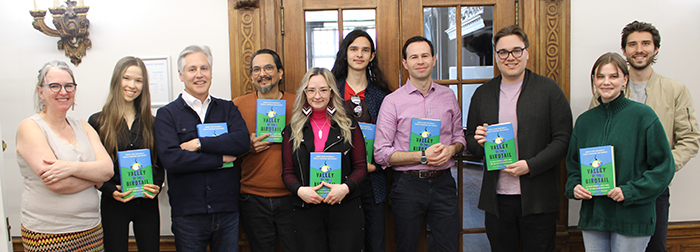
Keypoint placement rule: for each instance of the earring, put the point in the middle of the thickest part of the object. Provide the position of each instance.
(330, 110)
(72, 107)
(306, 109)
(43, 106)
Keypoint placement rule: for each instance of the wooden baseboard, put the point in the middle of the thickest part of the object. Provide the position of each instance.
(682, 237)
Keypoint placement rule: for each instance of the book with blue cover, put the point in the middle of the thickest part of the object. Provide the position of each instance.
(135, 170)
(598, 169)
(424, 133)
(499, 148)
(213, 130)
(368, 130)
(325, 166)
(271, 118)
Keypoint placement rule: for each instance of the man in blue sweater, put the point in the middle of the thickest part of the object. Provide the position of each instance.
(203, 191)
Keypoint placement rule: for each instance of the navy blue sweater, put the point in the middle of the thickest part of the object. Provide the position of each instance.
(196, 184)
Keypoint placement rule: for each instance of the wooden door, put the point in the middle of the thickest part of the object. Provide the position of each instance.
(461, 31)
(455, 27)
(312, 25)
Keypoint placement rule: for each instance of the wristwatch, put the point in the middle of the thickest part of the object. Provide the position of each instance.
(423, 158)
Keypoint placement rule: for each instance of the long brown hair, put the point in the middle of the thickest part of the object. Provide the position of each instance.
(115, 108)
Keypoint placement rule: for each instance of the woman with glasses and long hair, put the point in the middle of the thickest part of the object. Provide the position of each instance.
(319, 124)
(362, 89)
(62, 162)
(623, 219)
(126, 123)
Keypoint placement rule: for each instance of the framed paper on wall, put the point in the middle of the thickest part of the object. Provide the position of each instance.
(159, 79)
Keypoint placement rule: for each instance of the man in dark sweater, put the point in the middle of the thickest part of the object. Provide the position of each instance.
(203, 194)
(522, 200)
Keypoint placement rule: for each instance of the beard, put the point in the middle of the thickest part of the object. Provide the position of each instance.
(265, 89)
(640, 66)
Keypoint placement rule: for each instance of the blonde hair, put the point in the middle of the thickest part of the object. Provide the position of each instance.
(299, 119)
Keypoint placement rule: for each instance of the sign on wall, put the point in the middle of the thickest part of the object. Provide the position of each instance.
(159, 79)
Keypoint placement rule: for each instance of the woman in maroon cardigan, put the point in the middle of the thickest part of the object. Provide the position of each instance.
(319, 124)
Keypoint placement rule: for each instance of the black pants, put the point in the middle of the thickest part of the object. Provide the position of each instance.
(375, 223)
(326, 228)
(538, 231)
(434, 199)
(263, 217)
(116, 217)
(658, 240)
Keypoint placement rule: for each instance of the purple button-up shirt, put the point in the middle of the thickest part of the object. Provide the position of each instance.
(394, 122)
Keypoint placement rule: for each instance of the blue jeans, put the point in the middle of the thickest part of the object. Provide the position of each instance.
(262, 217)
(194, 232)
(435, 199)
(608, 241)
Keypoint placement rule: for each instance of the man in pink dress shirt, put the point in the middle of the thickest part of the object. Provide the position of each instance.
(423, 186)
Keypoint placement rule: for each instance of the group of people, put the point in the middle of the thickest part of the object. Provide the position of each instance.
(64, 161)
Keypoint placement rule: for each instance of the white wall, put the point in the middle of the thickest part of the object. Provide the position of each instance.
(595, 29)
(117, 29)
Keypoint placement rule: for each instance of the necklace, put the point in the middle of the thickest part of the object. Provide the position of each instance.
(320, 129)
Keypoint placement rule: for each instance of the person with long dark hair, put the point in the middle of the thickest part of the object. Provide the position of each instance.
(126, 123)
(319, 124)
(363, 89)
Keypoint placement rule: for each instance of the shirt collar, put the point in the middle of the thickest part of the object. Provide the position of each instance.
(191, 100)
(410, 88)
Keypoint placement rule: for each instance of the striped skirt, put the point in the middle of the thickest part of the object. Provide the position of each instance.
(89, 241)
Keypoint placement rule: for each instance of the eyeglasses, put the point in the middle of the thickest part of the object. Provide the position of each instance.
(55, 87)
(355, 99)
(312, 92)
(269, 68)
(516, 52)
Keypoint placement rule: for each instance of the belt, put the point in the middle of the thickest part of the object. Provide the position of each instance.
(426, 173)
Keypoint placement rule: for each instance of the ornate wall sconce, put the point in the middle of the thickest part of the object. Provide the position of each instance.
(71, 25)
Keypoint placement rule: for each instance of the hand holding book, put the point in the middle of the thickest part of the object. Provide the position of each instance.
(258, 144)
(336, 194)
(480, 134)
(119, 196)
(581, 193)
(309, 195)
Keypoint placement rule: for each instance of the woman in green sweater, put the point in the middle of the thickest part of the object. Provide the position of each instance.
(624, 218)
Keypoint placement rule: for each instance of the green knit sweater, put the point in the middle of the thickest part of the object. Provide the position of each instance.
(643, 165)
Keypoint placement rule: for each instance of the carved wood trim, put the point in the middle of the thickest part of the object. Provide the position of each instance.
(547, 23)
(247, 4)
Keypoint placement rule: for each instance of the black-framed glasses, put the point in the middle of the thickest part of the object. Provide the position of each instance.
(269, 68)
(516, 52)
(55, 87)
(355, 99)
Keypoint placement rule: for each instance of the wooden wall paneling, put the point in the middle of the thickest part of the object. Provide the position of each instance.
(388, 44)
(294, 32)
(411, 25)
(253, 25)
(244, 38)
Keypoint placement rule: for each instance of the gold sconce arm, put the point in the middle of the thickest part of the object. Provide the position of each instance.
(71, 25)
